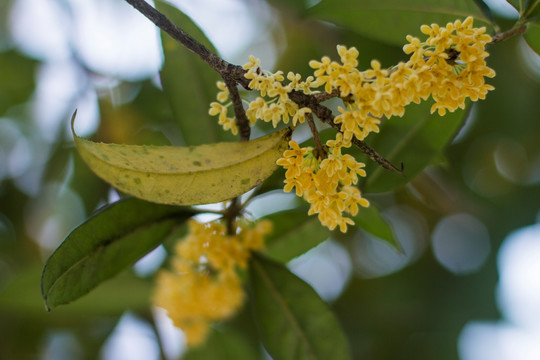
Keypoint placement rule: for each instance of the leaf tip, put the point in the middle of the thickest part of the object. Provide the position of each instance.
(73, 122)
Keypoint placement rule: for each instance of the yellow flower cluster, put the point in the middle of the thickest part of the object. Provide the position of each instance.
(228, 123)
(451, 64)
(326, 184)
(279, 108)
(204, 286)
(448, 66)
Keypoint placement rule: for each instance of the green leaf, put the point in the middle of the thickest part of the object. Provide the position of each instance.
(294, 233)
(109, 241)
(185, 175)
(486, 11)
(532, 10)
(532, 36)
(223, 344)
(413, 141)
(17, 79)
(189, 83)
(293, 321)
(517, 4)
(371, 221)
(392, 20)
(22, 297)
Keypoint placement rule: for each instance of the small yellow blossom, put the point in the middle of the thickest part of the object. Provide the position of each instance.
(223, 95)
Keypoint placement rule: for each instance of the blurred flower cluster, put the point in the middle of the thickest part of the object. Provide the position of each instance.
(204, 286)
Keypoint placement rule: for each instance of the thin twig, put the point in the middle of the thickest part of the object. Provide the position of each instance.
(241, 118)
(321, 153)
(517, 29)
(217, 63)
(323, 96)
(233, 211)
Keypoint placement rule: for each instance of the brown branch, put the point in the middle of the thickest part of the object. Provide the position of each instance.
(231, 74)
(517, 29)
(323, 96)
(321, 153)
(241, 118)
(161, 21)
(227, 70)
(233, 210)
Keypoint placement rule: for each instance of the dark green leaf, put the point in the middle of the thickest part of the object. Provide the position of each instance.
(223, 344)
(294, 232)
(189, 83)
(392, 20)
(532, 10)
(370, 220)
(517, 4)
(532, 36)
(485, 10)
(109, 241)
(412, 141)
(293, 321)
(17, 79)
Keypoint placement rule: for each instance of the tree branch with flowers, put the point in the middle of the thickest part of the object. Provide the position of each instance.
(334, 172)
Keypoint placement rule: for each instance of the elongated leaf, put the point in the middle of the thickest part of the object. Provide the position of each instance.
(413, 141)
(189, 83)
(226, 344)
(293, 321)
(185, 175)
(517, 4)
(532, 11)
(486, 11)
(294, 232)
(17, 81)
(532, 36)
(109, 241)
(392, 20)
(370, 220)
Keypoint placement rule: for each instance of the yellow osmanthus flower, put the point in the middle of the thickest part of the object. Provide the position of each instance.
(326, 184)
(449, 66)
(455, 57)
(228, 123)
(203, 286)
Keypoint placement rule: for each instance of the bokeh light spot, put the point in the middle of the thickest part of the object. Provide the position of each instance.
(461, 243)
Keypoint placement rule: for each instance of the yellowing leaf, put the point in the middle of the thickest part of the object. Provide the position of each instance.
(185, 175)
